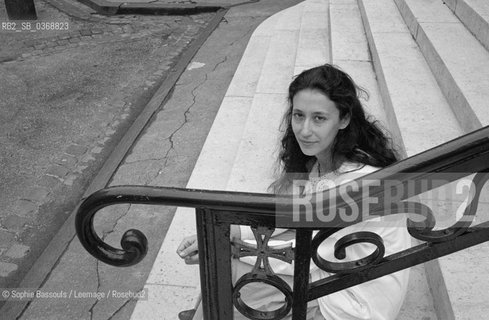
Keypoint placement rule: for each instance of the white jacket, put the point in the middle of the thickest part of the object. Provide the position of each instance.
(378, 299)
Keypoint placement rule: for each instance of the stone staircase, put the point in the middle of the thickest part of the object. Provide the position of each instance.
(433, 70)
(425, 65)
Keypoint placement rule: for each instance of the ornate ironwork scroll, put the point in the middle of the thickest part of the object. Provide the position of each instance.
(461, 226)
(368, 237)
(340, 251)
(133, 242)
(421, 230)
(262, 273)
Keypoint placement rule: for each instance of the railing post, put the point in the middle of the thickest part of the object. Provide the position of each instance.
(301, 273)
(21, 9)
(215, 266)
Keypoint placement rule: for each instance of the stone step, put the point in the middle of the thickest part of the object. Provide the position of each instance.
(255, 160)
(313, 49)
(300, 41)
(425, 116)
(474, 14)
(457, 59)
(461, 65)
(350, 52)
(412, 98)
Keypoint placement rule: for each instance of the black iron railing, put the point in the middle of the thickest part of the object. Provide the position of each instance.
(216, 211)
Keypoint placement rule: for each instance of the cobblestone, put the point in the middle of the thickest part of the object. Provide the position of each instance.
(66, 161)
(75, 150)
(6, 238)
(85, 32)
(109, 131)
(49, 182)
(14, 223)
(8, 58)
(57, 171)
(40, 46)
(6, 268)
(17, 251)
(25, 208)
(70, 179)
(96, 150)
(29, 43)
(38, 195)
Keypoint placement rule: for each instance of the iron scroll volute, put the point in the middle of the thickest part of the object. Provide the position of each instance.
(340, 253)
(133, 242)
(463, 223)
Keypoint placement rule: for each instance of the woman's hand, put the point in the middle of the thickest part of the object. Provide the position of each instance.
(189, 247)
(189, 250)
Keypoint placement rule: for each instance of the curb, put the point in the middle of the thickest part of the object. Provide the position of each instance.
(101, 6)
(163, 9)
(110, 8)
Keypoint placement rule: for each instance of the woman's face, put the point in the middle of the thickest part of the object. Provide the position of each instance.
(316, 122)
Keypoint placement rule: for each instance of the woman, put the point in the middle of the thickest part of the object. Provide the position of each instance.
(328, 140)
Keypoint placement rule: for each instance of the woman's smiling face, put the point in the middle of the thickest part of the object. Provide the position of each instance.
(316, 122)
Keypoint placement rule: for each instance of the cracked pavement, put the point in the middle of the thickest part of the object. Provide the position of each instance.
(164, 155)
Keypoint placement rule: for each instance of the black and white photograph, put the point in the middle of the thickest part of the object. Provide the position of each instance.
(244, 159)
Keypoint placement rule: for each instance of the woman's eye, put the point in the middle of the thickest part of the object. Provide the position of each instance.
(319, 118)
(297, 116)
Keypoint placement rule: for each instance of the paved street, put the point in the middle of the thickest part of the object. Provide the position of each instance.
(67, 97)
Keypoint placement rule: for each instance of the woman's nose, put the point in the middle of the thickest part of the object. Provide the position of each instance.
(306, 128)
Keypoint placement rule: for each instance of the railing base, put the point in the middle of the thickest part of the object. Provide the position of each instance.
(21, 10)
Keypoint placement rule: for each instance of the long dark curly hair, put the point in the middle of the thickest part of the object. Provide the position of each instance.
(362, 141)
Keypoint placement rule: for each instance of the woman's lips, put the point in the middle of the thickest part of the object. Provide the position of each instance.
(307, 143)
